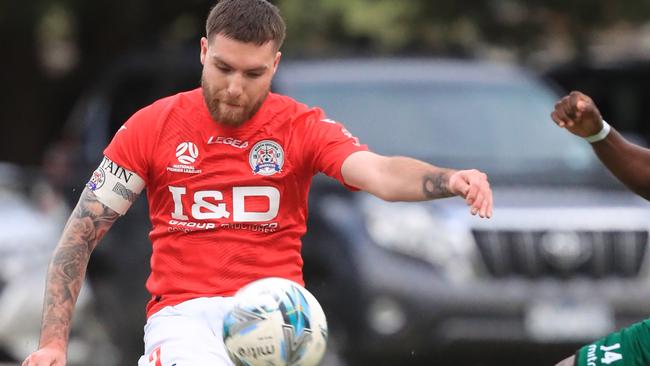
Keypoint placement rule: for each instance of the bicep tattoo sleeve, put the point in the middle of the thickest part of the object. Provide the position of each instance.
(88, 223)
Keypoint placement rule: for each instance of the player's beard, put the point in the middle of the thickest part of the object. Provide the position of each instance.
(229, 115)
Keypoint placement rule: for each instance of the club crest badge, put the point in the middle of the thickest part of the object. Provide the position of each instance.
(266, 157)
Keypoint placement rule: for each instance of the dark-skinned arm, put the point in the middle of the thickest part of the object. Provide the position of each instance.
(630, 163)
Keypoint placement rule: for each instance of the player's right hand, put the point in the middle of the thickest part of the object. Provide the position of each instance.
(577, 113)
(46, 357)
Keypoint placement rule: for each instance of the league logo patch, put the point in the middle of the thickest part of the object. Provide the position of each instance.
(266, 157)
(187, 153)
(96, 180)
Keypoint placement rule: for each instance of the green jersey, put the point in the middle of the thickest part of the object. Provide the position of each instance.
(628, 347)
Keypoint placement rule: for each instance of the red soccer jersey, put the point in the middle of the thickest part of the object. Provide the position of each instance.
(228, 205)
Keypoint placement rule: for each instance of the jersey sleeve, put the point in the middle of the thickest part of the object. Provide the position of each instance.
(132, 145)
(328, 143)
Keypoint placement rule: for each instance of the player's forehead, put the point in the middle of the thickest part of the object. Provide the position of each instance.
(241, 55)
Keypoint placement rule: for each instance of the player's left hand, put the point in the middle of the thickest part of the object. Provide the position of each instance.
(473, 185)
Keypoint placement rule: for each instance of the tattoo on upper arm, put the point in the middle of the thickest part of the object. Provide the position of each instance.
(435, 185)
(88, 223)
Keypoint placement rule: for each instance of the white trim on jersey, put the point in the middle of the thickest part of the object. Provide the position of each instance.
(115, 186)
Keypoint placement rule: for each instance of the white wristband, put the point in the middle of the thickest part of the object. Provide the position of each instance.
(601, 134)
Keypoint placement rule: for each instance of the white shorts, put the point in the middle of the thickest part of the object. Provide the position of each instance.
(187, 334)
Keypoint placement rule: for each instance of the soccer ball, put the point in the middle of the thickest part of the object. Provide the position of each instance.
(275, 322)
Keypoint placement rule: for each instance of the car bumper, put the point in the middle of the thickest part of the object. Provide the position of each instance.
(411, 307)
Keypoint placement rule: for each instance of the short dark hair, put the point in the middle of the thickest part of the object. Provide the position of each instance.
(249, 21)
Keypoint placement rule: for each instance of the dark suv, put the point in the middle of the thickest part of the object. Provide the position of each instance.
(563, 261)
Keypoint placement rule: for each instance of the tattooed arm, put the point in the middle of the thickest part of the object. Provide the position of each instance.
(86, 226)
(406, 179)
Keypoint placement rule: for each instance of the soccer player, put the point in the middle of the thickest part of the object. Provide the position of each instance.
(630, 163)
(227, 168)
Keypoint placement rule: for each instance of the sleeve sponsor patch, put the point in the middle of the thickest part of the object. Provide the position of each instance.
(115, 186)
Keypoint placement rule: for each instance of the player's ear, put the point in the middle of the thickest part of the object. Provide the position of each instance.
(276, 62)
(204, 49)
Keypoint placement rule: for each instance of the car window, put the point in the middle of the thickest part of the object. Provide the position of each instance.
(456, 122)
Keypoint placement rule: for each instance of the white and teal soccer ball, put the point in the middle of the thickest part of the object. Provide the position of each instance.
(275, 322)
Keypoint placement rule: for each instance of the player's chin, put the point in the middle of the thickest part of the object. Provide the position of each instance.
(232, 119)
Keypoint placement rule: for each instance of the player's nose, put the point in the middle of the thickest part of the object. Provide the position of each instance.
(235, 86)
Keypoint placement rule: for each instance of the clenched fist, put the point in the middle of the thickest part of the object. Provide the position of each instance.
(577, 113)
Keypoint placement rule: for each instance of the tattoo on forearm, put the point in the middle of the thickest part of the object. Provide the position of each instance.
(435, 185)
(88, 223)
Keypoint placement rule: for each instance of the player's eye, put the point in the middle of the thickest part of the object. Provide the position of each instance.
(224, 69)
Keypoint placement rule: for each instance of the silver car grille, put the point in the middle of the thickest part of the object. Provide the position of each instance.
(562, 254)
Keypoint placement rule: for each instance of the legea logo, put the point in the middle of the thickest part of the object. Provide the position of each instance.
(187, 153)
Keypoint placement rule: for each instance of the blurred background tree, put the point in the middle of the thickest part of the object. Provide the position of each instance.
(53, 49)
